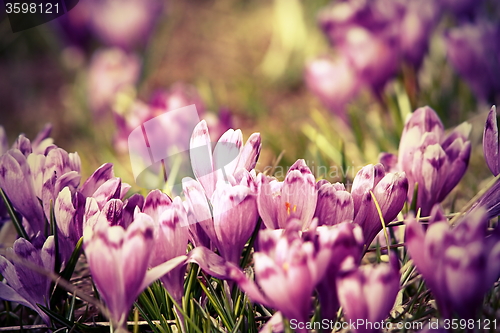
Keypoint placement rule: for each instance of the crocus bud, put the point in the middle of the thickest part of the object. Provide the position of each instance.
(171, 238)
(367, 293)
(459, 264)
(388, 189)
(25, 286)
(335, 204)
(118, 261)
(490, 142)
(295, 197)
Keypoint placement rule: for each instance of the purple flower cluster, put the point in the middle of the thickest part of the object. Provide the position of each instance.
(312, 240)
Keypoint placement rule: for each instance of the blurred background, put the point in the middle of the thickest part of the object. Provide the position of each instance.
(327, 81)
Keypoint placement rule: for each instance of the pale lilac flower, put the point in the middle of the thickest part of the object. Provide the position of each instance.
(171, 238)
(435, 161)
(295, 197)
(474, 51)
(390, 192)
(228, 156)
(233, 217)
(459, 264)
(368, 292)
(118, 261)
(111, 71)
(24, 285)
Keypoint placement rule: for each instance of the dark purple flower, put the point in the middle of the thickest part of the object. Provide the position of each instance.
(118, 261)
(24, 285)
(368, 292)
(435, 161)
(459, 264)
(474, 51)
(295, 197)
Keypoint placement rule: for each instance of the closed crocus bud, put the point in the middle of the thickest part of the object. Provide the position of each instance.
(459, 264)
(228, 157)
(24, 285)
(295, 197)
(367, 293)
(171, 238)
(490, 142)
(118, 260)
(435, 161)
(335, 204)
(288, 267)
(388, 189)
(346, 241)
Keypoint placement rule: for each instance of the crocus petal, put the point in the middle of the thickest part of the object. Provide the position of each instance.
(201, 157)
(99, 177)
(490, 142)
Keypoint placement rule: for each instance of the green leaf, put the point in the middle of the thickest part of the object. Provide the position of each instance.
(73, 260)
(17, 224)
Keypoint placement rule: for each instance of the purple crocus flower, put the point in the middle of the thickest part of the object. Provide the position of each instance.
(171, 238)
(390, 192)
(335, 204)
(333, 81)
(474, 51)
(368, 293)
(288, 268)
(346, 241)
(490, 142)
(30, 177)
(228, 157)
(118, 261)
(295, 197)
(111, 71)
(234, 211)
(459, 264)
(124, 23)
(435, 161)
(491, 199)
(24, 285)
